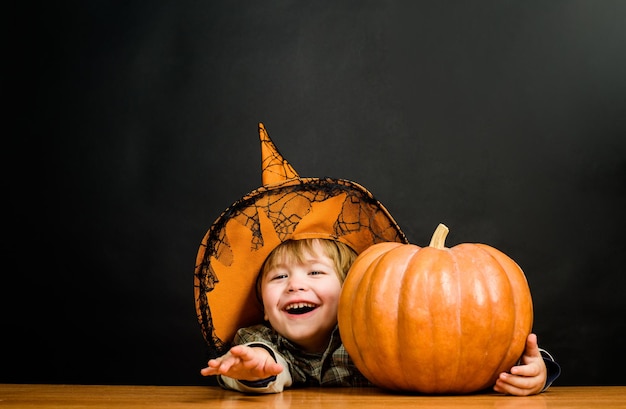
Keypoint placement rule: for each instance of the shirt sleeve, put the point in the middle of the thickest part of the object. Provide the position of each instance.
(273, 384)
(554, 369)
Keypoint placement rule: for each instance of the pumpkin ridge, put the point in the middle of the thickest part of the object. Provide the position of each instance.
(520, 329)
(369, 294)
(441, 377)
(488, 346)
(387, 277)
(350, 340)
(492, 327)
(440, 271)
(372, 273)
(459, 312)
(347, 300)
(501, 364)
(408, 297)
(421, 337)
(517, 340)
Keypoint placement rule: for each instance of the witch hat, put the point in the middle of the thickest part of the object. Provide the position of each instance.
(286, 207)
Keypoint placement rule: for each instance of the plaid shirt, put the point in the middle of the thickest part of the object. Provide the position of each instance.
(333, 367)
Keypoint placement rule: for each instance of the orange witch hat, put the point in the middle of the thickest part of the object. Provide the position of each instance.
(286, 207)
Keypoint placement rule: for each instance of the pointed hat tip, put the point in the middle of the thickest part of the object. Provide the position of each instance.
(275, 167)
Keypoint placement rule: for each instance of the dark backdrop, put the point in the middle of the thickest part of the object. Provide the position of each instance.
(132, 125)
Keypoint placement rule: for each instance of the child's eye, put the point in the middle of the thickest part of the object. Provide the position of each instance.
(315, 273)
(278, 277)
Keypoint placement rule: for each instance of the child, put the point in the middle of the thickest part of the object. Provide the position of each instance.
(301, 234)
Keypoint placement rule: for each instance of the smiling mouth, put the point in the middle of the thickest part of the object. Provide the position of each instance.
(300, 308)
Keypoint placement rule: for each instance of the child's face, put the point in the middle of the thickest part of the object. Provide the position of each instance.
(301, 299)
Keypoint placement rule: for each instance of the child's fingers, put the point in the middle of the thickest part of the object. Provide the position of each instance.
(511, 386)
(529, 370)
(214, 363)
(242, 352)
(532, 347)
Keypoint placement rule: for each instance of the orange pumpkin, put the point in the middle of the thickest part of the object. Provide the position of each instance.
(434, 320)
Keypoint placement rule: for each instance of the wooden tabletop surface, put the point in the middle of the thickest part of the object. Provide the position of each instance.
(211, 397)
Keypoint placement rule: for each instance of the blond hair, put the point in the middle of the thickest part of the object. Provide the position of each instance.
(294, 251)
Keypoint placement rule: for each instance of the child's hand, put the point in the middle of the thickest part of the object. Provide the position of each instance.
(529, 377)
(244, 363)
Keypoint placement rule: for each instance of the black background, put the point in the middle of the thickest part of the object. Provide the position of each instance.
(132, 125)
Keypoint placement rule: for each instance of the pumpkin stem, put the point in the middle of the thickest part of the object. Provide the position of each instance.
(439, 237)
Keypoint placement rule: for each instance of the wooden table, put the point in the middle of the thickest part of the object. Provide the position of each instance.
(213, 397)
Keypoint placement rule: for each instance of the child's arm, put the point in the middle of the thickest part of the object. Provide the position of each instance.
(254, 367)
(529, 376)
(242, 362)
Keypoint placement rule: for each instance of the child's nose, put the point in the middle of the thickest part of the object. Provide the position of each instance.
(295, 284)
